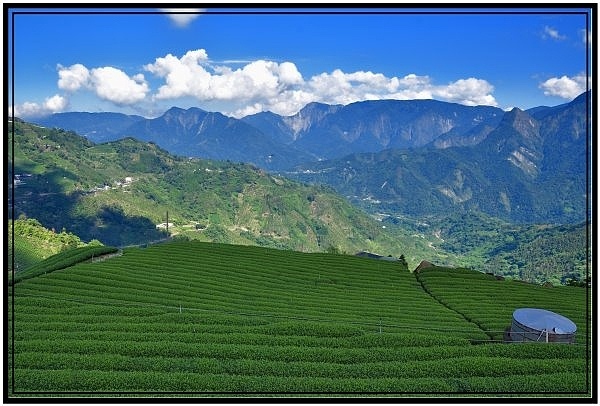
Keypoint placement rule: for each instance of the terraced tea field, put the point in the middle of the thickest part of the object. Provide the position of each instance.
(200, 319)
(489, 302)
(60, 261)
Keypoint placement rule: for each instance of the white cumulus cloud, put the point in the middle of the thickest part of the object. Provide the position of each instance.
(54, 104)
(344, 88)
(193, 75)
(108, 83)
(73, 77)
(185, 76)
(279, 87)
(565, 87)
(412, 86)
(470, 92)
(182, 17)
(115, 86)
(288, 74)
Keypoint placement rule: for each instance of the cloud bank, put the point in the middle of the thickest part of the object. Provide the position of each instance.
(255, 86)
(280, 87)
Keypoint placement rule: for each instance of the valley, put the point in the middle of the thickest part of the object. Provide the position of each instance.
(120, 191)
(518, 177)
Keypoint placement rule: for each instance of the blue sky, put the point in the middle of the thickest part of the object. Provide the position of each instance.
(244, 63)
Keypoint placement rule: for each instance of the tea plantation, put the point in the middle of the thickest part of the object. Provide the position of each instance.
(199, 319)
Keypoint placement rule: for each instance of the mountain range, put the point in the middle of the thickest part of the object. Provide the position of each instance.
(125, 191)
(274, 142)
(529, 168)
(412, 157)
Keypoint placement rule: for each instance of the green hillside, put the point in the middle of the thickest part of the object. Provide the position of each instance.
(536, 253)
(34, 243)
(198, 319)
(120, 191)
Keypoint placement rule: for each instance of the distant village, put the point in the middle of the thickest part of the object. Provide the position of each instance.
(18, 180)
(118, 184)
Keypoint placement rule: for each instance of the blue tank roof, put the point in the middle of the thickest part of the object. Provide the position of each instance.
(544, 320)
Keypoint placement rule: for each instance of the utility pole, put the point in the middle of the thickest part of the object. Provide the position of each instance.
(167, 224)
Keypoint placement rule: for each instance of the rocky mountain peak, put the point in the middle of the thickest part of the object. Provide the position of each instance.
(309, 115)
(522, 122)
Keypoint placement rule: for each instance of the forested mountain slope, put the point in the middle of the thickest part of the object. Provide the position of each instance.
(119, 192)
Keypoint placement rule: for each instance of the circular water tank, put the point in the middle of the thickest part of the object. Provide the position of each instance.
(542, 326)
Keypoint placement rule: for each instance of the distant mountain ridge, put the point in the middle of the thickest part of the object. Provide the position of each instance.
(290, 128)
(197, 133)
(372, 126)
(529, 168)
(97, 127)
(318, 131)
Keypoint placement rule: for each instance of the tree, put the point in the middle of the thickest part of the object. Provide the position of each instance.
(333, 250)
(403, 262)
(574, 281)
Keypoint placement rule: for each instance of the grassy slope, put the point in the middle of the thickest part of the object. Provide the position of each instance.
(199, 318)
